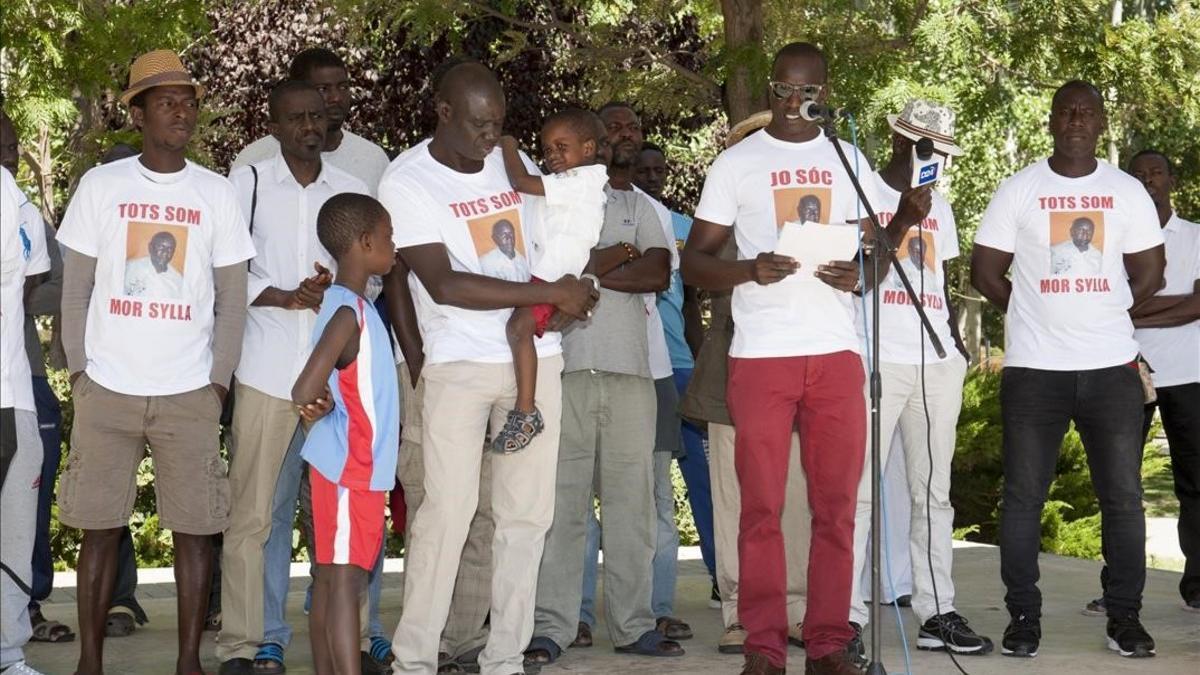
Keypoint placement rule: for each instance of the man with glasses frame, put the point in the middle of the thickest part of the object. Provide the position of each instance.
(794, 363)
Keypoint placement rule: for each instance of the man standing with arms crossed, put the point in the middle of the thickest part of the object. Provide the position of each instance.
(792, 364)
(1048, 380)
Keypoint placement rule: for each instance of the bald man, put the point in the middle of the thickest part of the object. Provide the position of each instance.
(436, 194)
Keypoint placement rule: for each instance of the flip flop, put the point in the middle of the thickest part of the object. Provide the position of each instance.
(542, 651)
(269, 659)
(379, 658)
(583, 637)
(652, 643)
(49, 631)
(674, 629)
(119, 623)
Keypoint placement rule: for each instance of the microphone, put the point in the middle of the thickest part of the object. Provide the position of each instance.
(817, 112)
(926, 164)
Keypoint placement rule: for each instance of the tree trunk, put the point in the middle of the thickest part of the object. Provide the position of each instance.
(745, 89)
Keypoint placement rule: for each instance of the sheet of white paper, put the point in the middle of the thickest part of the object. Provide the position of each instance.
(813, 244)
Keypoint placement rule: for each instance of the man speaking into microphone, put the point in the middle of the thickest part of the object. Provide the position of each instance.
(794, 361)
(915, 380)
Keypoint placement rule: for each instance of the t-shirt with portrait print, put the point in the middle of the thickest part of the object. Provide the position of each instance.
(921, 253)
(482, 221)
(758, 185)
(156, 239)
(1069, 308)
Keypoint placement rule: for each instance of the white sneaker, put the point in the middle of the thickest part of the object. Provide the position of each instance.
(21, 668)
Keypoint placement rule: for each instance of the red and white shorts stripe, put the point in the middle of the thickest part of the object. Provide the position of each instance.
(347, 523)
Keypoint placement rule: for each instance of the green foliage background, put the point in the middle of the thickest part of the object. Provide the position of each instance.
(62, 63)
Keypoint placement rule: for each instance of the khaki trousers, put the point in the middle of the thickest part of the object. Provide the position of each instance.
(262, 430)
(472, 597)
(461, 399)
(727, 506)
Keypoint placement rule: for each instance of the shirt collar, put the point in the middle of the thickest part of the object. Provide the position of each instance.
(1173, 223)
(283, 174)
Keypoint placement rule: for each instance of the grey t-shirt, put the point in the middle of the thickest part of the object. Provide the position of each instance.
(614, 339)
(355, 155)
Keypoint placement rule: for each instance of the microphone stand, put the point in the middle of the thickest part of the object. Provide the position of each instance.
(883, 245)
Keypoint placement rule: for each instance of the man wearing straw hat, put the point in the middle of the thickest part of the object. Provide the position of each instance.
(119, 347)
(922, 393)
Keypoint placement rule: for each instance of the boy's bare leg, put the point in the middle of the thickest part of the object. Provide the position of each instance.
(97, 576)
(317, 622)
(345, 585)
(193, 575)
(520, 339)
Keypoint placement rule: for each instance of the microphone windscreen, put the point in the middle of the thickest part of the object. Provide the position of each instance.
(925, 148)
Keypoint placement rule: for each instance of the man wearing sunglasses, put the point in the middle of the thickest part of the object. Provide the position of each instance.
(794, 362)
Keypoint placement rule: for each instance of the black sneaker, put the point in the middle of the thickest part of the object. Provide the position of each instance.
(1022, 636)
(1095, 608)
(1127, 637)
(714, 600)
(950, 631)
(856, 654)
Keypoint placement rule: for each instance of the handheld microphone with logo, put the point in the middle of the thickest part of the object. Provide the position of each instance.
(926, 164)
(817, 112)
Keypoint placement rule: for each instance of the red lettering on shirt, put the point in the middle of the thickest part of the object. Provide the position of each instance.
(170, 214)
(123, 307)
(895, 297)
(1058, 285)
(1070, 202)
(169, 311)
(810, 176)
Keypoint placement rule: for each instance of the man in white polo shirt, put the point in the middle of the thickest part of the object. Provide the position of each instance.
(794, 362)
(450, 194)
(1070, 355)
(1168, 331)
(280, 198)
(343, 148)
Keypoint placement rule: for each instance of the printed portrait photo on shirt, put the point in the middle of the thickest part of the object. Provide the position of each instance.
(1076, 243)
(155, 255)
(500, 245)
(918, 257)
(802, 205)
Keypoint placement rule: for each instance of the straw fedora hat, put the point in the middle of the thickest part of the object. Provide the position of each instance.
(158, 68)
(922, 118)
(752, 123)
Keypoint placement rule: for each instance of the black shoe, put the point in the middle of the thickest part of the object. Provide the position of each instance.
(237, 666)
(1022, 636)
(714, 600)
(950, 631)
(902, 601)
(1095, 608)
(1127, 637)
(1192, 605)
(856, 654)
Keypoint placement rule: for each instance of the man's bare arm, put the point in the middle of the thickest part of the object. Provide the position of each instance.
(988, 269)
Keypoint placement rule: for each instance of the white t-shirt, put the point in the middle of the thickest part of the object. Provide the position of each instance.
(656, 332)
(23, 241)
(570, 217)
(903, 335)
(755, 187)
(278, 341)
(472, 215)
(355, 155)
(1174, 353)
(1069, 318)
(157, 342)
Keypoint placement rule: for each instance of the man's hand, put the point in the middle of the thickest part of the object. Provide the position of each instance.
(769, 268)
(841, 274)
(508, 142)
(222, 392)
(315, 410)
(576, 297)
(914, 205)
(414, 369)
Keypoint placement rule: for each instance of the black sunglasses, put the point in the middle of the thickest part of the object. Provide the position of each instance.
(785, 90)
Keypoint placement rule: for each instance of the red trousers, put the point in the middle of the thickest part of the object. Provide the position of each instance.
(822, 397)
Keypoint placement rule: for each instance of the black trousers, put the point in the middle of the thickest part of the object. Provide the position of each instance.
(1180, 409)
(1106, 406)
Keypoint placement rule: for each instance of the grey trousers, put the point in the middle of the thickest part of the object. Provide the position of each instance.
(607, 442)
(18, 515)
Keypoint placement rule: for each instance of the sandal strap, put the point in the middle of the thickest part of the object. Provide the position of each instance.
(269, 651)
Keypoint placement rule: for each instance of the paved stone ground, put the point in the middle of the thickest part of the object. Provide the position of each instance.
(1072, 643)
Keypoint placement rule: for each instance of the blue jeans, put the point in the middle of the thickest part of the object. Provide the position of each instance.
(666, 550)
(49, 418)
(277, 554)
(1106, 406)
(694, 467)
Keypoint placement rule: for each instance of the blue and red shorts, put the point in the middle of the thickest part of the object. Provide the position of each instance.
(347, 523)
